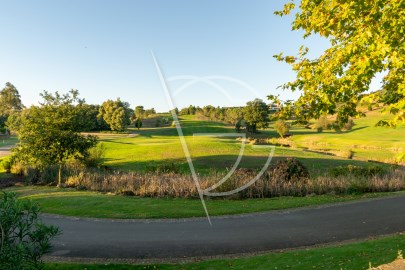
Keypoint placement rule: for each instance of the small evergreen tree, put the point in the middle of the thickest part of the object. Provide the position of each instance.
(138, 123)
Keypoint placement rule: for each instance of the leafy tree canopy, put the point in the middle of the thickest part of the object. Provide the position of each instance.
(255, 114)
(139, 112)
(149, 112)
(138, 123)
(366, 38)
(24, 238)
(234, 115)
(49, 133)
(89, 118)
(10, 101)
(117, 114)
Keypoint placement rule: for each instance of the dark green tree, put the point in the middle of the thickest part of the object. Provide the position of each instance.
(10, 101)
(116, 114)
(207, 110)
(184, 111)
(49, 134)
(191, 110)
(89, 117)
(233, 115)
(138, 123)
(149, 112)
(139, 112)
(256, 115)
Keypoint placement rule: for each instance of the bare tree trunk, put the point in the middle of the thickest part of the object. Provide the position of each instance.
(60, 175)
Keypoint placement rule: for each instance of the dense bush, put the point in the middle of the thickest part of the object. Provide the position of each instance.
(6, 165)
(45, 174)
(49, 174)
(345, 153)
(95, 156)
(138, 123)
(289, 169)
(336, 127)
(32, 175)
(322, 124)
(164, 168)
(17, 169)
(319, 129)
(238, 126)
(362, 172)
(349, 125)
(281, 127)
(24, 239)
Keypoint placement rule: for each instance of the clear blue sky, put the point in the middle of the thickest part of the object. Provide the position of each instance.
(102, 48)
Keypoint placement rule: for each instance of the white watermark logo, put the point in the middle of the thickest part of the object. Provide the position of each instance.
(210, 80)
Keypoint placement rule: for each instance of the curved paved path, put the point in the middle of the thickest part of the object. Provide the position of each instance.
(157, 239)
(5, 151)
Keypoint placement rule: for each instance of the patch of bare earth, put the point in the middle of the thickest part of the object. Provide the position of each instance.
(398, 264)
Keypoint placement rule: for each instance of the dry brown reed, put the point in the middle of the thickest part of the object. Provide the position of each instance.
(180, 185)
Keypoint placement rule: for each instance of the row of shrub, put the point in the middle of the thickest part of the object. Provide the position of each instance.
(271, 184)
(48, 174)
(288, 177)
(323, 123)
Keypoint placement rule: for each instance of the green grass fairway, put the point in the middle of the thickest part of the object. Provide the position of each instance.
(355, 256)
(162, 145)
(4, 141)
(92, 204)
(365, 140)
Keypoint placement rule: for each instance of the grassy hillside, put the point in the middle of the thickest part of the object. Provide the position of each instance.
(365, 140)
(152, 146)
(157, 145)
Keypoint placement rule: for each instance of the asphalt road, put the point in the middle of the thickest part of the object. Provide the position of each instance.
(162, 239)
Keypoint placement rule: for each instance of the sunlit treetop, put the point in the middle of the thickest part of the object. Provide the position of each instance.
(366, 38)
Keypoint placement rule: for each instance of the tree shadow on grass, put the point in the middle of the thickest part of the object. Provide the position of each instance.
(115, 141)
(223, 163)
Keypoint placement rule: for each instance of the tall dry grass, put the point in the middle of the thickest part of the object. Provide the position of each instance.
(269, 185)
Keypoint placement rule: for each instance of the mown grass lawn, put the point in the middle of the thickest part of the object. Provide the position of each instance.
(365, 139)
(8, 141)
(70, 202)
(156, 145)
(355, 256)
